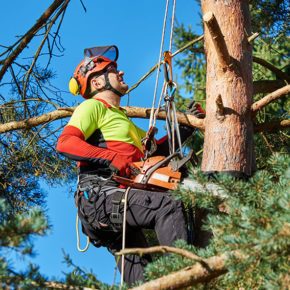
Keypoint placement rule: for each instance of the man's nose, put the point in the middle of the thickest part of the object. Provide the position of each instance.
(121, 73)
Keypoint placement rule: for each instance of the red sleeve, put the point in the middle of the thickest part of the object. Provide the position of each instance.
(72, 144)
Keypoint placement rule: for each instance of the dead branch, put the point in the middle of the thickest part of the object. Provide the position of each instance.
(35, 121)
(30, 34)
(133, 112)
(267, 86)
(270, 98)
(160, 249)
(218, 40)
(53, 20)
(272, 126)
(136, 112)
(280, 74)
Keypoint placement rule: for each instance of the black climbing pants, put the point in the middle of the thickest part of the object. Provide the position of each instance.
(145, 210)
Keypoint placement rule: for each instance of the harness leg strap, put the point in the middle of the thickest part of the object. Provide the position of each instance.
(116, 217)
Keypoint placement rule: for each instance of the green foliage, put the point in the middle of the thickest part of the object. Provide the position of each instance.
(253, 219)
(192, 64)
(81, 277)
(17, 232)
(271, 17)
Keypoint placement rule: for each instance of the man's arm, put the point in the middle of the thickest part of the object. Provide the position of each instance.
(72, 142)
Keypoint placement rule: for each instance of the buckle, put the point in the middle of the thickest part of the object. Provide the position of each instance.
(115, 216)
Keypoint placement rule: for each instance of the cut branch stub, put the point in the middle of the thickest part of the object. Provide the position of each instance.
(220, 109)
(218, 40)
(253, 37)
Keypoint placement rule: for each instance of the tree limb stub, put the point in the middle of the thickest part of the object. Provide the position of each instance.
(220, 114)
(133, 112)
(218, 40)
(30, 34)
(272, 68)
(253, 37)
(270, 98)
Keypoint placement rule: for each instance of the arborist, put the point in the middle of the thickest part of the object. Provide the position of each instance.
(105, 142)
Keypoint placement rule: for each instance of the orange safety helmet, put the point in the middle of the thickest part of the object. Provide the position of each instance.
(96, 60)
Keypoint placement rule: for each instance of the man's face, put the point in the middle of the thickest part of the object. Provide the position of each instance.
(116, 79)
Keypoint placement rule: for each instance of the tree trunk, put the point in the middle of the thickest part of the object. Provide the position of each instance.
(228, 144)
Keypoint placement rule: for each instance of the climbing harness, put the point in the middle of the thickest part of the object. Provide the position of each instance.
(89, 186)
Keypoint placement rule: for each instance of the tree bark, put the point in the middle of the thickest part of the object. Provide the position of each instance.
(228, 144)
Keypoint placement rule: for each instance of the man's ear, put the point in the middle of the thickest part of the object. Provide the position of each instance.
(97, 83)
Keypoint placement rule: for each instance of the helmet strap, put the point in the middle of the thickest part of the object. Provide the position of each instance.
(107, 86)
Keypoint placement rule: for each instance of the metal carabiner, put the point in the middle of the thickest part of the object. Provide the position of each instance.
(171, 89)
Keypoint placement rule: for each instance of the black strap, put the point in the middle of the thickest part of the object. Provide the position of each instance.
(107, 86)
(116, 218)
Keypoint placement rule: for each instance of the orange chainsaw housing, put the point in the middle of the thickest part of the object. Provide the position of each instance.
(154, 173)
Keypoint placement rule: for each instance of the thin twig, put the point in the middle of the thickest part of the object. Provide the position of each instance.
(30, 34)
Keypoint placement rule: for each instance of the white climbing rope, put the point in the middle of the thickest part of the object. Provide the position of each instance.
(125, 200)
(159, 63)
(78, 237)
(153, 115)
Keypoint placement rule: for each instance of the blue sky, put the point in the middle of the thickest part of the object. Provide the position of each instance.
(135, 27)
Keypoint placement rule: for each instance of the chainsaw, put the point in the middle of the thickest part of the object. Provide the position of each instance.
(157, 173)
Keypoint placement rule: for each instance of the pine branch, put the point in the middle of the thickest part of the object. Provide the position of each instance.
(30, 34)
(192, 275)
(270, 98)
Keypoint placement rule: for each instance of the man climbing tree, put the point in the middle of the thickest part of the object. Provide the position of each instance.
(105, 142)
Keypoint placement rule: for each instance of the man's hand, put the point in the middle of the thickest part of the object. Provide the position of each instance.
(123, 166)
(195, 109)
